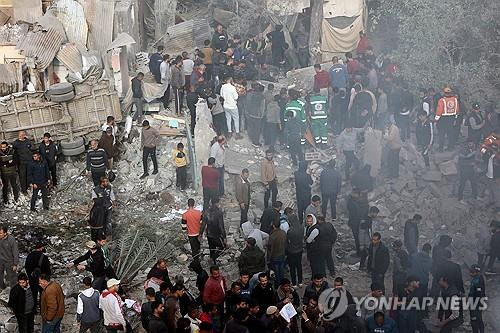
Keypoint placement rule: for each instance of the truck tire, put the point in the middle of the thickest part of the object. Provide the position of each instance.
(63, 97)
(77, 143)
(60, 88)
(73, 151)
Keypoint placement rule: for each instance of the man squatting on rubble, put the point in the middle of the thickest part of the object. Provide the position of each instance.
(253, 302)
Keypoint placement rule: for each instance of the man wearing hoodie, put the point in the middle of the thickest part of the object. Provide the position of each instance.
(111, 305)
(330, 183)
(303, 182)
(39, 179)
(87, 309)
(313, 246)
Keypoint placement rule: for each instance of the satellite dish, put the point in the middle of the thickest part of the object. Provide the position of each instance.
(332, 303)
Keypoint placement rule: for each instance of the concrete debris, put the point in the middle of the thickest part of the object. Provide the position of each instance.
(448, 168)
(432, 176)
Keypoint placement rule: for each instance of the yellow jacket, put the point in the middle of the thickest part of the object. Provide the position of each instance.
(180, 158)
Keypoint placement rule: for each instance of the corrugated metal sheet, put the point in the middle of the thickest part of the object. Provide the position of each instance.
(42, 46)
(71, 57)
(187, 36)
(11, 80)
(100, 18)
(123, 39)
(70, 14)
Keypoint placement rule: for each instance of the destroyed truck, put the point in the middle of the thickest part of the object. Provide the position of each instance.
(84, 110)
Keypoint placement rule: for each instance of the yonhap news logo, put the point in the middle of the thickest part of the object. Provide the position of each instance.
(453, 303)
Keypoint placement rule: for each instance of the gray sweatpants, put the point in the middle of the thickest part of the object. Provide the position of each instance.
(11, 277)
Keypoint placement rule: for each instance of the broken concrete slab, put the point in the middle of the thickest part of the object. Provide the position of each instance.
(432, 176)
(448, 168)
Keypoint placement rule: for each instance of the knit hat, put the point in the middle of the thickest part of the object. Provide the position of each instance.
(271, 310)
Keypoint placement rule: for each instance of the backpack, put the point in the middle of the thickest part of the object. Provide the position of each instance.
(38, 269)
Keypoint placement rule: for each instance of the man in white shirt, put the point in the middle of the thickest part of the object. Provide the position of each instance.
(111, 305)
(165, 80)
(230, 95)
(187, 68)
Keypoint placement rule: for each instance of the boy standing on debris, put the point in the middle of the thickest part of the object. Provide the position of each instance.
(149, 139)
(181, 160)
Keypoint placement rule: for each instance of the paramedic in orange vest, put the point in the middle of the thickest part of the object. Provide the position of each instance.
(447, 112)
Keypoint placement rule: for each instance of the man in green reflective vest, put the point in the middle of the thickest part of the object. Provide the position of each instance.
(296, 106)
(318, 106)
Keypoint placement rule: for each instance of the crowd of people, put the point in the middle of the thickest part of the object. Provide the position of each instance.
(353, 94)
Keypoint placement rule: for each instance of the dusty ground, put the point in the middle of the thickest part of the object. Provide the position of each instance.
(157, 204)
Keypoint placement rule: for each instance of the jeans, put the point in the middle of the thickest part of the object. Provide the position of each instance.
(467, 175)
(166, 97)
(327, 255)
(378, 278)
(23, 176)
(53, 174)
(302, 204)
(355, 234)
(181, 177)
(209, 196)
(295, 263)
(191, 100)
(332, 197)
(194, 242)
(445, 128)
(139, 114)
(93, 327)
(45, 196)
(146, 152)
(221, 180)
(244, 214)
(53, 326)
(278, 266)
(178, 97)
(11, 276)
(393, 163)
(232, 115)
(271, 191)
(350, 159)
(10, 179)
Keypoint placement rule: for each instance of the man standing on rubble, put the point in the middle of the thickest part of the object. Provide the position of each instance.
(303, 182)
(149, 139)
(96, 161)
(8, 170)
(378, 260)
(100, 215)
(191, 223)
(210, 183)
(318, 109)
(9, 257)
(447, 112)
(269, 178)
(155, 62)
(218, 152)
(48, 151)
(177, 81)
(394, 146)
(39, 179)
(466, 170)
(339, 77)
(330, 184)
(165, 80)
(213, 225)
(23, 157)
(94, 258)
(137, 97)
(255, 109)
(242, 193)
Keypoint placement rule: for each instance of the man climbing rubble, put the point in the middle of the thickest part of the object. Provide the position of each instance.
(94, 258)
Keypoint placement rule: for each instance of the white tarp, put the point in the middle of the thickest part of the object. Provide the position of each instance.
(347, 8)
(340, 39)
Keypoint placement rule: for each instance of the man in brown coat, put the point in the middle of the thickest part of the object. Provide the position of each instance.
(242, 192)
(52, 304)
(276, 252)
(269, 178)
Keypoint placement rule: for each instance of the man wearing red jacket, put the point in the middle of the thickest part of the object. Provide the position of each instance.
(447, 112)
(215, 290)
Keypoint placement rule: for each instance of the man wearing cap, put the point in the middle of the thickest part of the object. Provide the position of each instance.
(37, 263)
(95, 264)
(149, 139)
(39, 179)
(476, 122)
(447, 112)
(112, 307)
(476, 292)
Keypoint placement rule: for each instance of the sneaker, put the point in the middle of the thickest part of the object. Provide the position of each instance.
(155, 172)
(144, 176)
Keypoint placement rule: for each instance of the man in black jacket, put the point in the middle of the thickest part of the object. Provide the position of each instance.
(37, 263)
(39, 179)
(48, 151)
(100, 214)
(411, 234)
(330, 183)
(378, 260)
(252, 259)
(327, 237)
(22, 304)
(138, 97)
(213, 226)
(155, 61)
(23, 157)
(95, 264)
(303, 182)
(8, 170)
(466, 170)
(156, 322)
(263, 293)
(357, 208)
(270, 216)
(450, 317)
(452, 271)
(315, 288)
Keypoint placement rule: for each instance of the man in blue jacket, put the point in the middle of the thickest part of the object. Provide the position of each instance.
(380, 323)
(39, 179)
(339, 77)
